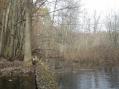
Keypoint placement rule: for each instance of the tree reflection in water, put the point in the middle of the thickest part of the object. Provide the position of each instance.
(106, 78)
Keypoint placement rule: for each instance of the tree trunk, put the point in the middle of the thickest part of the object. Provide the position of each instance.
(27, 43)
(4, 28)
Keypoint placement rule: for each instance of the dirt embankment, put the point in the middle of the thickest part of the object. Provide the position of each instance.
(45, 79)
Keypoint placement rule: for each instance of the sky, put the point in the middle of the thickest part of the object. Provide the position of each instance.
(101, 6)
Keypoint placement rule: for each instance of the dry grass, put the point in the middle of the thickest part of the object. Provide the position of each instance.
(99, 55)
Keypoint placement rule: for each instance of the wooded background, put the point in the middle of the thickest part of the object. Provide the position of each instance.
(27, 25)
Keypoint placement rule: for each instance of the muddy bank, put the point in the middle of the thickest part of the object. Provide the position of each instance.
(41, 74)
(14, 68)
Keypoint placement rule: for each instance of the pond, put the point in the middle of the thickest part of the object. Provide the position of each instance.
(26, 82)
(105, 78)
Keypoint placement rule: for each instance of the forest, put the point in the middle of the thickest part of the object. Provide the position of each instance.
(55, 36)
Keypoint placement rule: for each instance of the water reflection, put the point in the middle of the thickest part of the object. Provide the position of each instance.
(17, 82)
(106, 78)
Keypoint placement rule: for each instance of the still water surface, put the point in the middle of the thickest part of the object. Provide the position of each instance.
(17, 82)
(106, 78)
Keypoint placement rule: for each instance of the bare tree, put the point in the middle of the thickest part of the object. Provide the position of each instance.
(27, 44)
(96, 20)
(112, 26)
(12, 30)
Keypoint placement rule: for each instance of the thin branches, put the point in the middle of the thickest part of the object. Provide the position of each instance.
(57, 10)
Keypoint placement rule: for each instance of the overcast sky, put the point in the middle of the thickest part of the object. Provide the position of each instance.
(101, 6)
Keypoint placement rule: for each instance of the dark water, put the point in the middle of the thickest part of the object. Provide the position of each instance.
(106, 78)
(17, 82)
